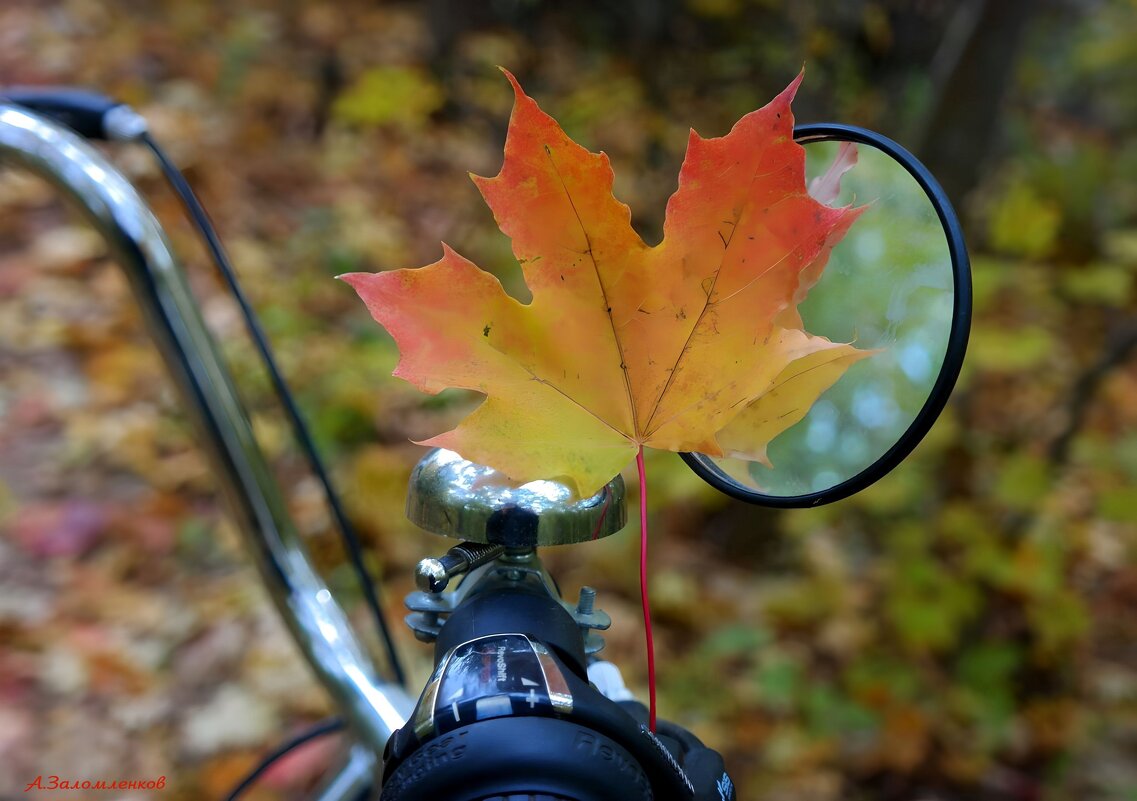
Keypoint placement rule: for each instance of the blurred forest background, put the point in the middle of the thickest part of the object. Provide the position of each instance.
(965, 629)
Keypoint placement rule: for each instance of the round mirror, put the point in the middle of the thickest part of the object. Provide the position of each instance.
(899, 285)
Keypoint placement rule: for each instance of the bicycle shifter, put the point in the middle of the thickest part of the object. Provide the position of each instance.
(510, 709)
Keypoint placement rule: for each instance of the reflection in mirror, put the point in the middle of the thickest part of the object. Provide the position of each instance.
(888, 287)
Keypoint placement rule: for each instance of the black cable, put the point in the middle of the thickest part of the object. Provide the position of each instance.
(200, 219)
(326, 726)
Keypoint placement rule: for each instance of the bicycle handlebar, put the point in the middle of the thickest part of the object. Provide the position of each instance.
(373, 707)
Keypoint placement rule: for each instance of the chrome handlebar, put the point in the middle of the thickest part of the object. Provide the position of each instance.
(373, 707)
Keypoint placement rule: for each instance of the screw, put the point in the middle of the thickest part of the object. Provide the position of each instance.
(432, 575)
(587, 601)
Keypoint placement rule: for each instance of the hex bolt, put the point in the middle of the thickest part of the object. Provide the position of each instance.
(587, 601)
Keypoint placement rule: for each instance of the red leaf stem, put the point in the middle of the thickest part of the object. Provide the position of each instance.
(643, 591)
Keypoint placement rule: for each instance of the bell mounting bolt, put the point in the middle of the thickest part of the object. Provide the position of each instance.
(433, 574)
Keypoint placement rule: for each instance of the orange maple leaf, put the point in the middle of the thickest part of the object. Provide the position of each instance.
(692, 345)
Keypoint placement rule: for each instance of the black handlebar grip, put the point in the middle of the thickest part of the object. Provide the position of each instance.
(519, 757)
(80, 110)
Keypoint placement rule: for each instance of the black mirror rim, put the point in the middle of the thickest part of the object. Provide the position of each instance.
(953, 358)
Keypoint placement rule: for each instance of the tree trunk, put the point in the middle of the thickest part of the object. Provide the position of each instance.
(976, 65)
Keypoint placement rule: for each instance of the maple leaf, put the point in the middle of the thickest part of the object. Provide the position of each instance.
(691, 345)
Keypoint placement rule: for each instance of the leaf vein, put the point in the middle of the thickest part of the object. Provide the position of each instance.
(603, 293)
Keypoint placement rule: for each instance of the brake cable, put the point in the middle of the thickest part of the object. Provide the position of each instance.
(300, 431)
(320, 729)
(95, 116)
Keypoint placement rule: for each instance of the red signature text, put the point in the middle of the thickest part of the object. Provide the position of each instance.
(56, 783)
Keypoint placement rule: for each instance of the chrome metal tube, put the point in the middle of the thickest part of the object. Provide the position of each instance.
(356, 776)
(374, 708)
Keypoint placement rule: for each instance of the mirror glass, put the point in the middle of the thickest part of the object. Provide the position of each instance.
(894, 284)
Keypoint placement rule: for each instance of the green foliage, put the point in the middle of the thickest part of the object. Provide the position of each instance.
(1118, 504)
(401, 96)
(1024, 222)
(927, 605)
(833, 716)
(1024, 481)
(779, 681)
(1017, 349)
(1105, 284)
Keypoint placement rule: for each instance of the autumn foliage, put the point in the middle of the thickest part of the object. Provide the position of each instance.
(963, 629)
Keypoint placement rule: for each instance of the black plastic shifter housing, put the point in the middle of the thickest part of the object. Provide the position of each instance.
(501, 606)
(509, 712)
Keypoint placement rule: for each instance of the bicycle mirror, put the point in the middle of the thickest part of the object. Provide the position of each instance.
(897, 285)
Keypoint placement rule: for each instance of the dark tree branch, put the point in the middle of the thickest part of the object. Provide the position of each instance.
(1118, 348)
